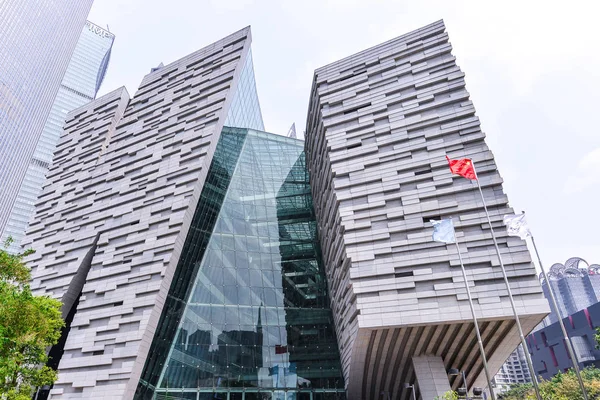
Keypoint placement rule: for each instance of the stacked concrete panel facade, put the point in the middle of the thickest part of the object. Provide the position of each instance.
(379, 126)
(114, 213)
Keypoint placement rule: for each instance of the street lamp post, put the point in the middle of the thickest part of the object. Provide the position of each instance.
(464, 391)
(412, 389)
(457, 372)
(478, 393)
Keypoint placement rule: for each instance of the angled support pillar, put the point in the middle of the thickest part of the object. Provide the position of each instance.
(431, 376)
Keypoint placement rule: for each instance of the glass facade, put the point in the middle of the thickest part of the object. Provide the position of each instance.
(244, 111)
(37, 39)
(247, 315)
(79, 86)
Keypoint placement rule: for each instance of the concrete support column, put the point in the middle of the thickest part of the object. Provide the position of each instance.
(431, 376)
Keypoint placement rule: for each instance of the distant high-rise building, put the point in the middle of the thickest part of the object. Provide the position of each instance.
(37, 39)
(292, 132)
(576, 285)
(548, 349)
(513, 371)
(79, 86)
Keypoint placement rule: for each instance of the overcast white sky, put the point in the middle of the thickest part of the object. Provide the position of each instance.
(532, 68)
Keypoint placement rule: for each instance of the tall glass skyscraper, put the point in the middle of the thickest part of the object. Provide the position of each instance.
(37, 39)
(79, 86)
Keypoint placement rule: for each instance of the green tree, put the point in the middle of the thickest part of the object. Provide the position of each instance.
(28, 326)
(517, 391)
(449, 395)
(562, 386)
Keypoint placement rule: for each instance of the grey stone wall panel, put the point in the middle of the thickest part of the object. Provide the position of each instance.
(379, 126)
(122, 189)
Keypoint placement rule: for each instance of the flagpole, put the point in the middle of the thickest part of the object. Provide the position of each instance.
(479, 341)
(560, 321)
(510, 296)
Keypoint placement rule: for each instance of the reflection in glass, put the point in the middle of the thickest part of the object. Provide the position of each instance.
(248, 312)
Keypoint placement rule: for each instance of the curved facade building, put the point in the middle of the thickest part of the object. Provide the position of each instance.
(79, 86)
(576, 285)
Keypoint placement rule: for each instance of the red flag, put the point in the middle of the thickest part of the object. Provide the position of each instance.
(279, 349)
(463, 167)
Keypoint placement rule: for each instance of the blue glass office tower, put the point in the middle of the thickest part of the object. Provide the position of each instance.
(37, 39)
(79, 86)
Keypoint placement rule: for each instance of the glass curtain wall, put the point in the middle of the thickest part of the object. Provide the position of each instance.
(37, 39)
(79, 86)
(244, 111)
(248, 314)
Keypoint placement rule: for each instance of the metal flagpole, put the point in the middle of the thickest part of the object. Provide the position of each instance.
(510, 296)
(481, 349)
(560, 321)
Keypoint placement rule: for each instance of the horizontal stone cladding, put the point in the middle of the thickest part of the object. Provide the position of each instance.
(379, 126)
(116, 209)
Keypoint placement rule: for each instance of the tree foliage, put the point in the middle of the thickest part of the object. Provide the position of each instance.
(518, 391)
(562, 386)
(29, 324)
(449, 395)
